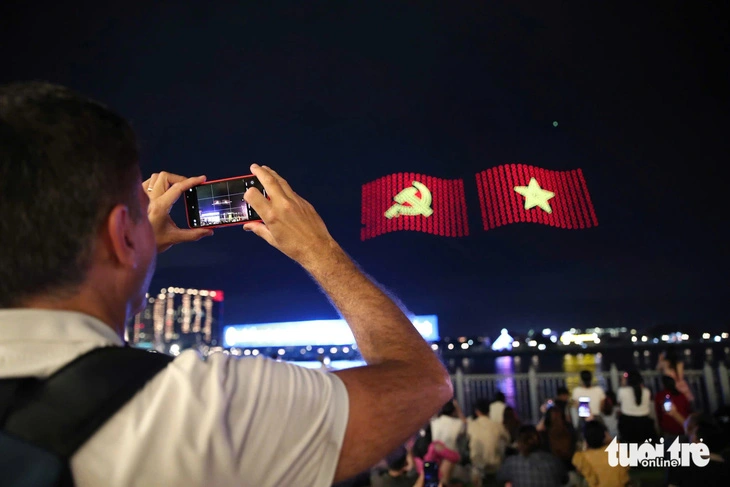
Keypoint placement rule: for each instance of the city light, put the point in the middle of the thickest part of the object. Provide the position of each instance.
(541, 346)
(345, 349)
(705, 336)
(503, 342)
(567, 338)
(450, 346)
(255, 352)
(247, 352)
(644, 338)
(333, 350)
(434, 346)
(532, 343)
(634, 339)
(546, 331)
(685, 336)
(313, 332)
(464, 346)
(282, 351)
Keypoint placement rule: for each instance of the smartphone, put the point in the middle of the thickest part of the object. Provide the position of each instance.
(584, 407)
(220, 203)
(549, 403)
(430, 474)
(668, 403)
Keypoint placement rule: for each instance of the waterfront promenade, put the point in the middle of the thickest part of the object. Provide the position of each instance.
(527, 391)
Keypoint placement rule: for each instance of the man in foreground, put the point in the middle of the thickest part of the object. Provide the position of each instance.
(79, 235)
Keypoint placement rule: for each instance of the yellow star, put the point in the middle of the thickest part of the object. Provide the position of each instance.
(535, 195)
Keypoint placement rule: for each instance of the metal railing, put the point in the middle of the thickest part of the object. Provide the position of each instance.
(526, 392)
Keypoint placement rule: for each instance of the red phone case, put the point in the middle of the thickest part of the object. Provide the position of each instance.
(187, 215)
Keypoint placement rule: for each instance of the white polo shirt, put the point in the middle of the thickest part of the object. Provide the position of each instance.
(594, 393)
(211, 422)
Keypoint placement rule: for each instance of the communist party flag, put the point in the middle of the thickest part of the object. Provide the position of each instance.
(409, 201)
(515, 193)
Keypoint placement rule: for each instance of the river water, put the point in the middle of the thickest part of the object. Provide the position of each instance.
(625, 358)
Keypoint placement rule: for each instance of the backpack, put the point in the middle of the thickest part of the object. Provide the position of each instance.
(44, 421)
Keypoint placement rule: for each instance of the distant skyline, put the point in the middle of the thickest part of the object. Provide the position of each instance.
(334, 95)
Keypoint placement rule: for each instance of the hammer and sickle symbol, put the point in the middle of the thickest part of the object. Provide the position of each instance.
(407, 203)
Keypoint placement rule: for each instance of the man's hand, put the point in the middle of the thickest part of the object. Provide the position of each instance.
(291, 224)
(164, 189)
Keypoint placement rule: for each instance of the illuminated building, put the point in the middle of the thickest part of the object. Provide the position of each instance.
(503, 342)
(176, 319)
(322, 333)
(567, 338)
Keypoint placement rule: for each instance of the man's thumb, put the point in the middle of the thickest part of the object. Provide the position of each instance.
(195, 234)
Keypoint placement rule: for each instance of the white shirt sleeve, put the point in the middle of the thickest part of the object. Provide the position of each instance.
(576, 393)
(222, 421)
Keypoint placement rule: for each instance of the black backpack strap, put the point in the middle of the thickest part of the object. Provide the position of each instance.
(63, 411)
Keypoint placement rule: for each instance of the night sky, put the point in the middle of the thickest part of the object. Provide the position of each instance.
(336, 94)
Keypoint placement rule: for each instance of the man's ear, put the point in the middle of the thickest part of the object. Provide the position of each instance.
(120, 232)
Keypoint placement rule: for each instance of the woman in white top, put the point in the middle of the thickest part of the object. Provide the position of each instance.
(448, 425)
(634, 424)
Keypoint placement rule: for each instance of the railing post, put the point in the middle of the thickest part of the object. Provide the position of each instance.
(615, 383)
(710, 387)
(534, 400)
(459, 387)
(724, 383)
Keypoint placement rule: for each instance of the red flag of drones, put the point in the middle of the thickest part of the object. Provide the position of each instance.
(515, 193)
(409, 201)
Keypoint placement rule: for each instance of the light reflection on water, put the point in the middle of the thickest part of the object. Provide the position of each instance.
(624, 359)
(506, 367)
(571, 363)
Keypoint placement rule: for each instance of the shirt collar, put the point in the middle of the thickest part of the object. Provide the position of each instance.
(33, 325)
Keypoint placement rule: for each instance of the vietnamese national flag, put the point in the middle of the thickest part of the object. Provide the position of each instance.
(409, 201)
(515, 193)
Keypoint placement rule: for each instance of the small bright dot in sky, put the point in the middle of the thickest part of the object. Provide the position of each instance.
(555, 123)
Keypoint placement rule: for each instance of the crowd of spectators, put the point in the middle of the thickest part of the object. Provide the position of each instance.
(493, 448)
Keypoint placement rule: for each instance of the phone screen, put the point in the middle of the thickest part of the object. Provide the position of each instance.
(430, 474)
(667, 404)
(220, 203)
(584, 407)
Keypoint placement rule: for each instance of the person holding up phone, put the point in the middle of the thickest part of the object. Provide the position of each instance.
(80, 235)
(671, 408)
(594, 394)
